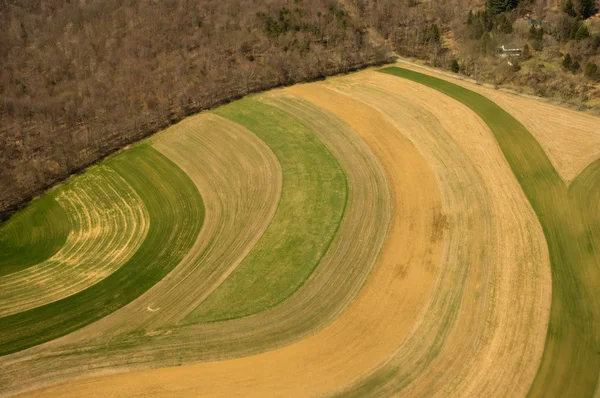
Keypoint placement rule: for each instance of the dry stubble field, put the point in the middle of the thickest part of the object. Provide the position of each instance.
(375, 234)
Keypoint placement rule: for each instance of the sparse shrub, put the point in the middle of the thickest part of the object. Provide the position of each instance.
(591, 71)
(566, 62)
(582, 33)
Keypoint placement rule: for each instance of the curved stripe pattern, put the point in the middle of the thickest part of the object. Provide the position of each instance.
(492, 244)
(109, 223)
(176, 215)
(33, 234)
(340, 352)
(571, 358)
(239, 179)
(330, 289)
(461, 283)
(313, 200)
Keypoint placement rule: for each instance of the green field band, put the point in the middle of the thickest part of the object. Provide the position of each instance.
(33, 235)
(176, 214)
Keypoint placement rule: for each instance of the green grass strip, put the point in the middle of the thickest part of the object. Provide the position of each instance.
(310, 209)
(571, 359)
(33, 234)
(176, 215)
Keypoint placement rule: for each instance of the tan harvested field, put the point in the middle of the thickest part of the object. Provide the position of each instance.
(425, 270)
(498, 256)
(571, 139)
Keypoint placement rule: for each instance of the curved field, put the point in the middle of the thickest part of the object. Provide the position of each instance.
(477, 299)
(109, 223)
(571, 362)
(239, 179)
(313, 200)
(331, 287)
(285, 371)
(570, 139)
(32, 235)
(338, 350)
(368, 235)
(176, 214)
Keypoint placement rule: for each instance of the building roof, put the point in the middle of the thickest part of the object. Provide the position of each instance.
(511, 47)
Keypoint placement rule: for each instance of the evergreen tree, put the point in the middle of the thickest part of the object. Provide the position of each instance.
(494, 7)
(574, 28)
(433, 36)
(587, 8)
(470, 18)
(486, 44)
(454, 66)
(532, 33)
(566, 62)
(569, 8)
(503, 24)
(575, 66)
(537, 37)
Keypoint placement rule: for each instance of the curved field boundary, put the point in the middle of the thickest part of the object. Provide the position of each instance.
(239, 179)
(32, 235)
(330, 289)
(403, 275)
(456, 346)
(176, 214)
(570, 138)
(109, 223)
(571, 359)
(312, 204)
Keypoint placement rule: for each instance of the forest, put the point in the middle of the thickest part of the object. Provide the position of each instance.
(81, 79)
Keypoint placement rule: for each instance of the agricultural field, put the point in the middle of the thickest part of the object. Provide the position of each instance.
(391, 232)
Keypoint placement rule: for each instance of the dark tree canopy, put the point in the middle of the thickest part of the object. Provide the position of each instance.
(494, 7)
